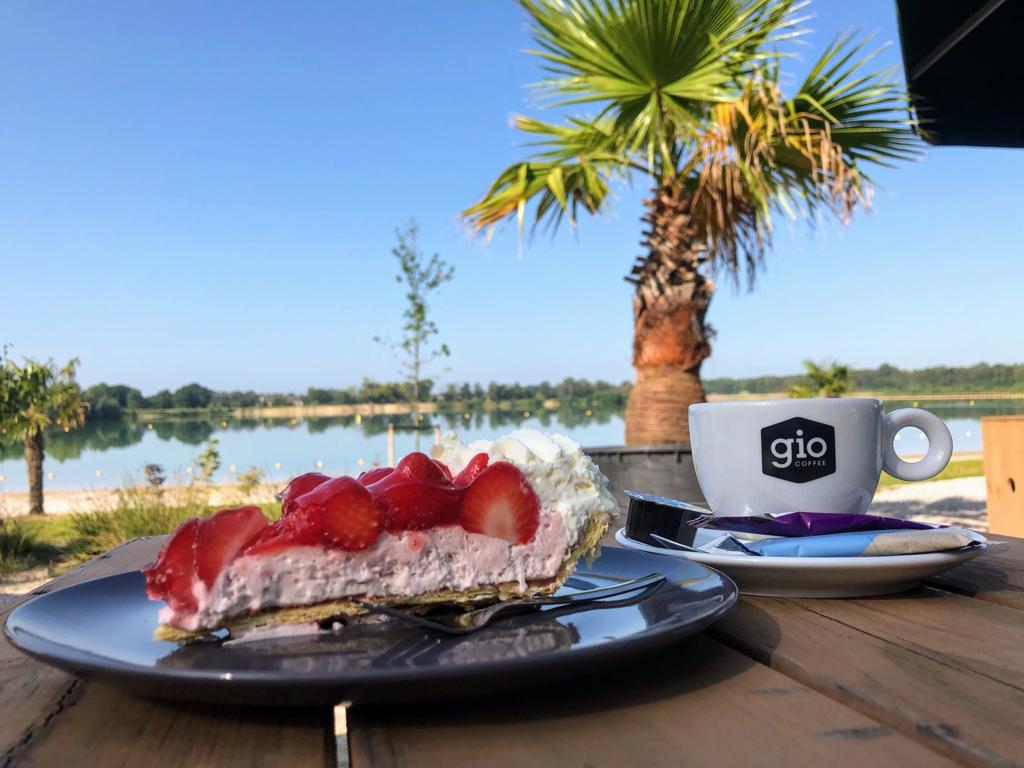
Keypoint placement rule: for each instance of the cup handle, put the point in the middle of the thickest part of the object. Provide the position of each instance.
(940, 444)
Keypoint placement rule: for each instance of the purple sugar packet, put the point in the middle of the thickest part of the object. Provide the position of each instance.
(814, 524)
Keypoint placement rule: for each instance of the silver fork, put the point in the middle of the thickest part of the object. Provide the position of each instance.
(470, 621)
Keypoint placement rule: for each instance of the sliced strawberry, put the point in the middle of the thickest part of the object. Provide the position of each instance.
(339, 513)
(273, 539)
(299, 486)
(418, 494)
(371, 476)
(471, 471)
(501, 503)
(416, 467)
(222, 536)
(417, 506)
(170, 577)
(444, 469)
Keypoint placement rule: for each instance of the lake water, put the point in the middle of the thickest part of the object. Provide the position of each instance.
(105, 455)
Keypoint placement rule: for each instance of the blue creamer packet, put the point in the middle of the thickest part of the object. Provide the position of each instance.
(866, 543)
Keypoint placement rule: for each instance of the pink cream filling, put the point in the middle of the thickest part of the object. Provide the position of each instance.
(407, 563)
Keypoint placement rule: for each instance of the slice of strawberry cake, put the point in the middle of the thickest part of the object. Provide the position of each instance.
(477, 523)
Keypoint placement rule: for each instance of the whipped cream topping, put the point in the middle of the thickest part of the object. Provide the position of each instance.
(564, 478)
(569, 486)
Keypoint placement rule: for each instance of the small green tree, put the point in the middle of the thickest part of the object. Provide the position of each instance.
(249, 482)
(33, 397)
(422, 277)
(209, 460)
(831, 381)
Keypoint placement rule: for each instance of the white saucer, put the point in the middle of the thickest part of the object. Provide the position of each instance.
(820, 576)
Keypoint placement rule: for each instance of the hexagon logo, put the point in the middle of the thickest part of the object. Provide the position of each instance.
(798, 450)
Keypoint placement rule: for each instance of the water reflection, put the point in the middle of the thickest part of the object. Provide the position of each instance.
(104, 435)
(103, 453)
(972, 410)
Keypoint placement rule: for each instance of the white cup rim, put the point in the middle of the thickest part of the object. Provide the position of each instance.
(722, 404)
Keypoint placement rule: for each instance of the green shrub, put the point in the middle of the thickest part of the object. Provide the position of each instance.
(249, 481)
(19, 548)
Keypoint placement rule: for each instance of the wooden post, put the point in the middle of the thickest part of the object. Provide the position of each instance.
(437, 434)
(1003, 440)
(391, 444)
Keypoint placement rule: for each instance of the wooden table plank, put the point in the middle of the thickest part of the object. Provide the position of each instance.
(103, 727)
(30, 692)
(49, 718)
(940, 668)
(698, 703)
(996, 576)
(897, 679)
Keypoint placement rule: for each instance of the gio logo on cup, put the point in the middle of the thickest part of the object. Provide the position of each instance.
(798, 450)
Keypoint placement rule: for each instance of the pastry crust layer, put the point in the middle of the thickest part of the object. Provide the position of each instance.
(587, 546)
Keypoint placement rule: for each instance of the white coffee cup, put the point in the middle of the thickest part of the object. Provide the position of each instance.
(805, 455)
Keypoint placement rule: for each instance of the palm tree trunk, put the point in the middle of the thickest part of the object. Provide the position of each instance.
(670, 337)
(34, 444)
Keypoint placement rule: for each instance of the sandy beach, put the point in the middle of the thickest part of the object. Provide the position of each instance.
(15, 504)
(951, 502)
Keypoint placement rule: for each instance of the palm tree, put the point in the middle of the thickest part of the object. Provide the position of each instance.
(687, 98)
(33, 397)
(831, 381)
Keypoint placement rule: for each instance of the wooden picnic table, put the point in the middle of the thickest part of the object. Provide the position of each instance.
(926, 678)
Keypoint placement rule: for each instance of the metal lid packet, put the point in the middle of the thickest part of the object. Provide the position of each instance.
(675, 520)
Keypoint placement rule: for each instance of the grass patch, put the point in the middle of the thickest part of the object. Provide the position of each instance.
(20, 548)
(64, 540)
(956, 468)
(98, 532)
(138, 512)
(53, 530)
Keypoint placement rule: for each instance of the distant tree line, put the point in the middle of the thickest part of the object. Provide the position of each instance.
(112, 401)
(568, 389)
(890, 379)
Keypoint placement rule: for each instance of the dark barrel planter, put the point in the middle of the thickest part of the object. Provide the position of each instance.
(666, 470)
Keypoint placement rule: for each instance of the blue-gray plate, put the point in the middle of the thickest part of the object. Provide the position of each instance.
(103, 629)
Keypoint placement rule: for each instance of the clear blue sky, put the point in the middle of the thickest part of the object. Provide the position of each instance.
(208, 191)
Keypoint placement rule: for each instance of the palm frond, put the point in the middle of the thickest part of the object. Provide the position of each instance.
(35, 396)
(689, 95)
(843, 118)
(653, 65)
(727, 172)
(570, 169)
(760, 152)
(868, 112)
